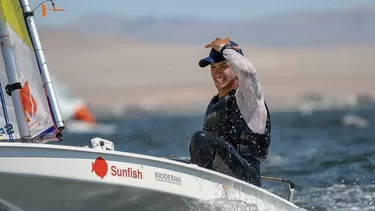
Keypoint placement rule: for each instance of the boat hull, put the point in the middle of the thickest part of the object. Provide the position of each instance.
(43, 193)
(51, 177)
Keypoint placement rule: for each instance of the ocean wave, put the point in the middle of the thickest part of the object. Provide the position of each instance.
(338, 197)
(321, 119)
(311, 102)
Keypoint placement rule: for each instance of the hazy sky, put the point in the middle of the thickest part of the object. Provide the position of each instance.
(208, 9)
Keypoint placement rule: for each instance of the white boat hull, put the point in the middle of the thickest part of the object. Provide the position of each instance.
(49, 177)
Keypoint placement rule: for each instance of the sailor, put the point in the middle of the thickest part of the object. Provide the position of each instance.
(236, 129)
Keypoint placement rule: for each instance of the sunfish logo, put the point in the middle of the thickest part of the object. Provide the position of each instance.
(29, 104)
(100, 167)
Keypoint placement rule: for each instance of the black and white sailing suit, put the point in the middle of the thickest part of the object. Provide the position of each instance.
(236, 130)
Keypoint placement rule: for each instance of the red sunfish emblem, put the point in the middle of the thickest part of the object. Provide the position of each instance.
(29, 104)
(100, 167)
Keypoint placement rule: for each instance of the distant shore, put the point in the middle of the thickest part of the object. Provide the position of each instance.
(113, 72)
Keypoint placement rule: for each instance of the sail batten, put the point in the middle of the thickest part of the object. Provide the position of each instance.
(29, 107)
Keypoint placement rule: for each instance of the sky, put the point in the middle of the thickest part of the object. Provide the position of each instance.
(205, 9)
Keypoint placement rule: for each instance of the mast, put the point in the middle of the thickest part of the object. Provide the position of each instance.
(14, 87)
(42, 63)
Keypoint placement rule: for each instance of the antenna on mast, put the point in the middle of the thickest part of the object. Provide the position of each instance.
(44, 8)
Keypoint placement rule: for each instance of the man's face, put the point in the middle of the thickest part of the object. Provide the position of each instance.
(222, 74)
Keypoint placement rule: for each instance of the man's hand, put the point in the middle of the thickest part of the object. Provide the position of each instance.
(219, 42)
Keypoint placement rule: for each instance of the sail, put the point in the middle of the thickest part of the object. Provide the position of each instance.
(35, 105)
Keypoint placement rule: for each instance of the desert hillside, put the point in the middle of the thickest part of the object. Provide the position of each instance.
(111, 70)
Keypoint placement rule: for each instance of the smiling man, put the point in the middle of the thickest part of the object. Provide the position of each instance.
(236, 129)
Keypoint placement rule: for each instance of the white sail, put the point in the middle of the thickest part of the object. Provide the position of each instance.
(20, 58)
